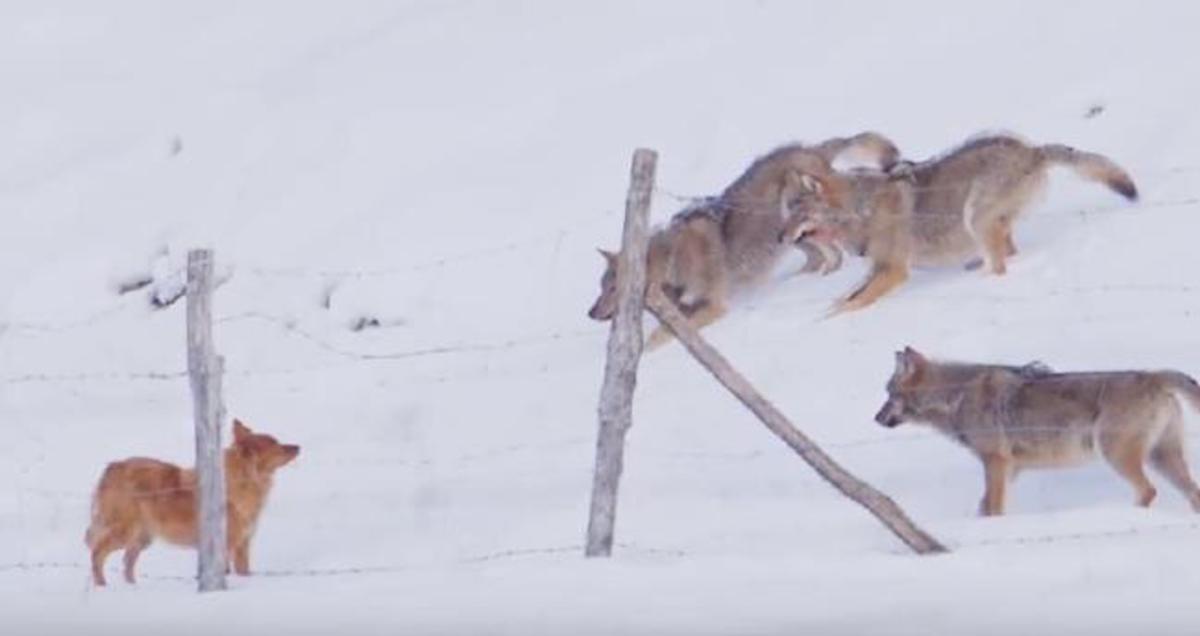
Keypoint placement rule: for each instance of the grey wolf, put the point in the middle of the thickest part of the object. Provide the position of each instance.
(951, 210)
(1020, 417)
(724, 245)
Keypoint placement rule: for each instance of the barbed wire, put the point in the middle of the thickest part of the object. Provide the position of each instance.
(1128, 207)
(290, 326)
(542, 238)
(676, 553)
(95, 376)
(359, 570)
(1069, 537)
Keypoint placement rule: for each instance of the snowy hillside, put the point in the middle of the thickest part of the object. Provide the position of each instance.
(404, 199)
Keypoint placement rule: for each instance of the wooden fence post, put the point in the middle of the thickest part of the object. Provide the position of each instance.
(204, 371)
(861, 492)
(624, 350)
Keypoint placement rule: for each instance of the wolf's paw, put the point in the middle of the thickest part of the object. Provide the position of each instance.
(657, 339)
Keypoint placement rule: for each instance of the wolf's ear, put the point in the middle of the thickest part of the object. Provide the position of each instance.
(609, 257)
(811, 184)
(797, 181)
(914, 355)
(240, 431)
(909, 362)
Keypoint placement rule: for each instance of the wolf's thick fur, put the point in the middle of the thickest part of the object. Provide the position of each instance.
(947, 211)
(140, 499)
(730, 243)
(1013, 418)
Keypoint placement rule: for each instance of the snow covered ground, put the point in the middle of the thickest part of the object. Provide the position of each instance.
(445, 169)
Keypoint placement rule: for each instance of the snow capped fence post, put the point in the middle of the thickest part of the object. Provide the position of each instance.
(624, 350)
(861, 492)
(204, 370)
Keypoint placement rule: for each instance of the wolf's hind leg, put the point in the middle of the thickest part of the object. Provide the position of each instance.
(1009, 246)
(1128, 456)
(997, 244)
(1169, 459)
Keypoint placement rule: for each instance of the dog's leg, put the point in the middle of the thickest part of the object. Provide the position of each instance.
(997, 470)
(105, 544)
(132, 550)
(882, 280)
(241, 558)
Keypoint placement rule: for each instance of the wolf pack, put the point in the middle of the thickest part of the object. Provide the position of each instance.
(953, 210)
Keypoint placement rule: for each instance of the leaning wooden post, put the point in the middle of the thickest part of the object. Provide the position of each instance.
(861, 492)
(204, 370)
(624, 350)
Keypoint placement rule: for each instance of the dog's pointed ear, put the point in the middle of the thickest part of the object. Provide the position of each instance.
(609, 257)
(240, 431)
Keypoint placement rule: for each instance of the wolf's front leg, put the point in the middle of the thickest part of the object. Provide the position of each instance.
(882, 280)
(997, 469)
(707, 313)
(659, 337)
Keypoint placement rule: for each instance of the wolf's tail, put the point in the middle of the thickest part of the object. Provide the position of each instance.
(1185, 386)
(1093, 167)
(869, 145)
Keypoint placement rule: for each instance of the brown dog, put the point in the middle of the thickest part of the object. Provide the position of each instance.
(140, 499)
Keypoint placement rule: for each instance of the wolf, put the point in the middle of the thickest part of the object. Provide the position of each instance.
(140, 499)
(1015, 418)
(724, 245)
(952, 210)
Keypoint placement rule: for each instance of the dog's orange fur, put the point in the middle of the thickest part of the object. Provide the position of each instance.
(140, 499)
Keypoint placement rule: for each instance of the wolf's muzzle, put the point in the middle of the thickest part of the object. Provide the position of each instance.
(887, 418)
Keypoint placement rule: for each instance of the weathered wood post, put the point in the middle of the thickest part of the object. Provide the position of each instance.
(204, 370)
(861, 492)
(624, 350)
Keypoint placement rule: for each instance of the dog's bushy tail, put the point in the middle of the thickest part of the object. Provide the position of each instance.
(1093, 167)
(96, 526)
(1184, 386)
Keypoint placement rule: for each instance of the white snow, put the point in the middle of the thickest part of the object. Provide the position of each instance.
(446, 169)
